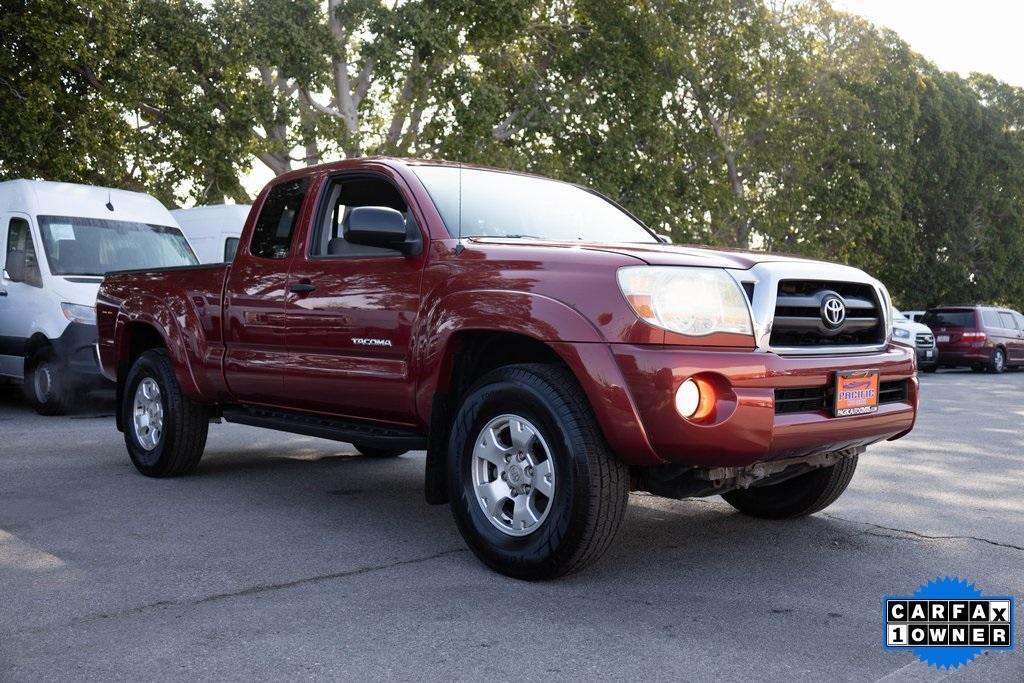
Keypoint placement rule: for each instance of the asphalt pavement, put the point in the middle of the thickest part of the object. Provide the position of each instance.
(288, 557)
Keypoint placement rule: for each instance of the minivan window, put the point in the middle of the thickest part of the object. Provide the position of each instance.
(1007, 320)
(990, 318)
(950, 318)
(95, 246)
(20, 262)
(272, 235)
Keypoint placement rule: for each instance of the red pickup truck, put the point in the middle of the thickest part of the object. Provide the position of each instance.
(547, 350)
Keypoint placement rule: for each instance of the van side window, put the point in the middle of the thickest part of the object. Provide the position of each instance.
(272, 235)
(1008, 322)
(990, 319)
(20, 262)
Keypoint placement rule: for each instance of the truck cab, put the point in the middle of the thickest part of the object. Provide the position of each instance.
(57, 240)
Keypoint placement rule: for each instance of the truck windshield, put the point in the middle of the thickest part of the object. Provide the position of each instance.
(94, 246)
(496, 204)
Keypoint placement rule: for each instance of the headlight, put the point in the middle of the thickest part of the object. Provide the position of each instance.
(78, 313)
(901, 333)
(691, 301)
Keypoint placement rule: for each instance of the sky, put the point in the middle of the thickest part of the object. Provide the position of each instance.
(958, 35)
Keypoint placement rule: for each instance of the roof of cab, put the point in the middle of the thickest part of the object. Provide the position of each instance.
(48, 198)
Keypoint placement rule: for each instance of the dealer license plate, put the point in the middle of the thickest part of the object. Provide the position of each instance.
(856, 392)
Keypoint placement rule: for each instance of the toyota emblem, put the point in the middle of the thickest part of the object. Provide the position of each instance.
(833, 311)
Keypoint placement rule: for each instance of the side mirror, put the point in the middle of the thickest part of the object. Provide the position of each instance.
(380, 226)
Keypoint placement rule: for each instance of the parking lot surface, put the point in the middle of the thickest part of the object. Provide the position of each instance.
(291, 557)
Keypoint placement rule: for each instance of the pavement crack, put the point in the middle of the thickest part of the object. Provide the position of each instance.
(242, 592)
(927, 537)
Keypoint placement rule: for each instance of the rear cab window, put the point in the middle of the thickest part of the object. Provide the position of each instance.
(275, 227)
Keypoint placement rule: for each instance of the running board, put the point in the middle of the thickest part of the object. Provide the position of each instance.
(335, 429)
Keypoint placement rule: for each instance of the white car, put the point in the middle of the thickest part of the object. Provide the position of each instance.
(914, 316)
(56, 242)
(213, 231)
(909, 333)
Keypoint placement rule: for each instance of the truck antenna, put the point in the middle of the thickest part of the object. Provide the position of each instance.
(460, 247)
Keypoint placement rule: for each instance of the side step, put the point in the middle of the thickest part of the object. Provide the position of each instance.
(327, 427)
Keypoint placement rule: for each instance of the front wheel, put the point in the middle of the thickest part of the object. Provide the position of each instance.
(797, 497)
(535, 490)
(47, 385)
(164, 430)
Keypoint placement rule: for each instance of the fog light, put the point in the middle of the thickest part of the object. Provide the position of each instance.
(695, 399)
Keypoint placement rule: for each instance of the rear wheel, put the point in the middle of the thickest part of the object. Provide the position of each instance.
(535, 490)
(164, 430)
(797, 497)
(372, 452)
(47, 385)
(997, 364)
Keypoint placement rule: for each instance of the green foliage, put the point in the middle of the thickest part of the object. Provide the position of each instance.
(741, 123)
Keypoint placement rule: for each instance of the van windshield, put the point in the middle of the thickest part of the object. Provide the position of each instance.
(95, 246)
(960, 318)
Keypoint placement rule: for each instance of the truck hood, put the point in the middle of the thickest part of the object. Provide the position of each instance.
(663, 254)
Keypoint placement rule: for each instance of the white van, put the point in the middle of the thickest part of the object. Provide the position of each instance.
(56, 242)
(213, 231)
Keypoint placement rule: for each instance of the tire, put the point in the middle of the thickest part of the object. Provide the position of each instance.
(797, 497)
(177, 445)
(371, 452)
(47, 385)
(569, 458)
(997, 364)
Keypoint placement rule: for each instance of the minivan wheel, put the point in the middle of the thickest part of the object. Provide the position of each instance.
(534, 489)
(164, 430)
(47, 385)
(797, 497)
(997, 364)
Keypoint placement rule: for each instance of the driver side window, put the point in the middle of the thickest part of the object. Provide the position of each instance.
(20, 262)
(345, 194)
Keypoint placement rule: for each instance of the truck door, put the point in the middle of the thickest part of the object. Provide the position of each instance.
(254, 297)
(351, 310)
(22, 299)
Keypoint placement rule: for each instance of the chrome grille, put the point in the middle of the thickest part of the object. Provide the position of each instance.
(925, 341)
(798, 321)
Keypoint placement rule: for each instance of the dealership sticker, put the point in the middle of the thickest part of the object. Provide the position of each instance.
(948, 622)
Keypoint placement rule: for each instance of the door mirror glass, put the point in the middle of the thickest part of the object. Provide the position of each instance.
(376, 226)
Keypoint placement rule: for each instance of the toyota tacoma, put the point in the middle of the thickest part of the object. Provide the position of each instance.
(548, 351)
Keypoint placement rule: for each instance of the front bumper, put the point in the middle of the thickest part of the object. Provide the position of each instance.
(76, 347)
(927, 357)
(636, 408)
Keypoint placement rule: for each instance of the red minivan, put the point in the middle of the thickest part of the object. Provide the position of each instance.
(980, 337)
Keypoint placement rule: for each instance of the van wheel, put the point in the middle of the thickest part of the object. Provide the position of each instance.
(47, 385)
(997, 364)
(165, 431)
(371, 452)
(534, 488)
(797, 497)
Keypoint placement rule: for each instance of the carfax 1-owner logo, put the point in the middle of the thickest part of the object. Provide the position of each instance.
(948, 622)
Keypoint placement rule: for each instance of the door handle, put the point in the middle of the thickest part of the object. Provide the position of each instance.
(3, 292)
(301, 287)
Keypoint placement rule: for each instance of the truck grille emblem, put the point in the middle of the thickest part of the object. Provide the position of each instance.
(833, 311)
